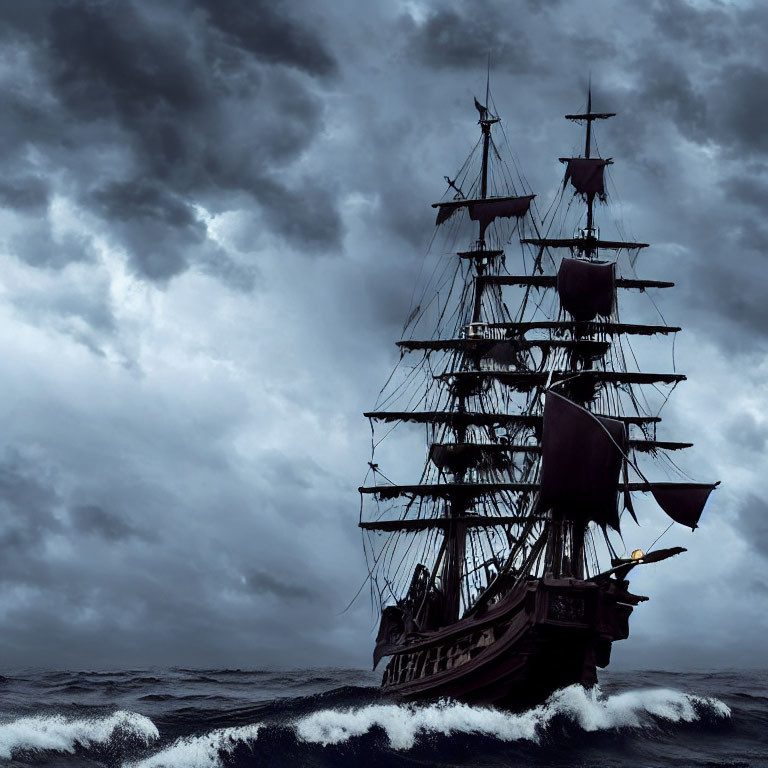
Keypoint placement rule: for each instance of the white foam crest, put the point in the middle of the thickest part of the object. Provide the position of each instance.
(589, 709)
(199, 751)
(62, 734)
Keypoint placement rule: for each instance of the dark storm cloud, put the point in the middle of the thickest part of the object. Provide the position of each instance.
(749, 188)
(708, 78)
(461, 37)
(695, 66)
(142, 200)
(668, 93)
(271, 32)
(158, 227)
(95, 520)
(37, 246)
(276, 466)
(699, 28)
(749, 432)
(693, 76)
(28, 500)
(150, 111)
(28, 193)
(753, 522)
(261, 582)
(110, 60)
(303, 215)
(740, 116)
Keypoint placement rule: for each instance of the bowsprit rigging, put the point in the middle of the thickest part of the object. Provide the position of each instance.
(494, 568)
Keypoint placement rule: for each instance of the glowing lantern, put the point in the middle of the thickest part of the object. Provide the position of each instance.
(638, 554)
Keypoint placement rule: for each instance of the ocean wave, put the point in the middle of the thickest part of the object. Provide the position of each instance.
(590, 710)
(562, 716)
(61, 734)
(199, 751)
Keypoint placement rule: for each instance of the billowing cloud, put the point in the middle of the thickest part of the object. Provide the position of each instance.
(144, 121)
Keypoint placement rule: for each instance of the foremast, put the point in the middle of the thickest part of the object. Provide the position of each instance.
(456, 508)
(456, 430)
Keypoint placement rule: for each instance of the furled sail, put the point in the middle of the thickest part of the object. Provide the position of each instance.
(586, 175)
(581, 462)
(456, 491)
(578, 329)
(485, 210)
(583, 385)
(586, 288)
(507, 352)
(550, 281)
(414, 525)
(461, 419)
(459, 457)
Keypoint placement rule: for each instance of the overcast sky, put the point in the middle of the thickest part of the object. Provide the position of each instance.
(211, 216)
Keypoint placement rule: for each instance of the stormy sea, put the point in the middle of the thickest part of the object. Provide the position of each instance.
(194, 718)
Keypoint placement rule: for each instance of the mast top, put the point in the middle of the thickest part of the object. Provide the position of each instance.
(586, 173)
(487, 118)
(589, 114)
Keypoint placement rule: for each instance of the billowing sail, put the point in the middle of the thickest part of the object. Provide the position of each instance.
(485, 210)
(586, 175)
(581, 462)
(684, 503)
(586, 288)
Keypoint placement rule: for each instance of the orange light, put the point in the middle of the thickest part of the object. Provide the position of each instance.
(638, 554)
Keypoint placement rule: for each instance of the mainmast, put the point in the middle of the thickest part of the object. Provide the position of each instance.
(568, 535)
(565, 545)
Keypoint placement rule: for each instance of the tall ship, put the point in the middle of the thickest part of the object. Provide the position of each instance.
(499, 567)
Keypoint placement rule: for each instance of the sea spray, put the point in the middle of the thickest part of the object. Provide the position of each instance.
(62, 734)
(199, 751)
(589, 709)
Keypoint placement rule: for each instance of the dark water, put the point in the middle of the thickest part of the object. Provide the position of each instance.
(183, 718)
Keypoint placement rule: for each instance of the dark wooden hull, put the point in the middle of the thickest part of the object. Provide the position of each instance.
(545, 635)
